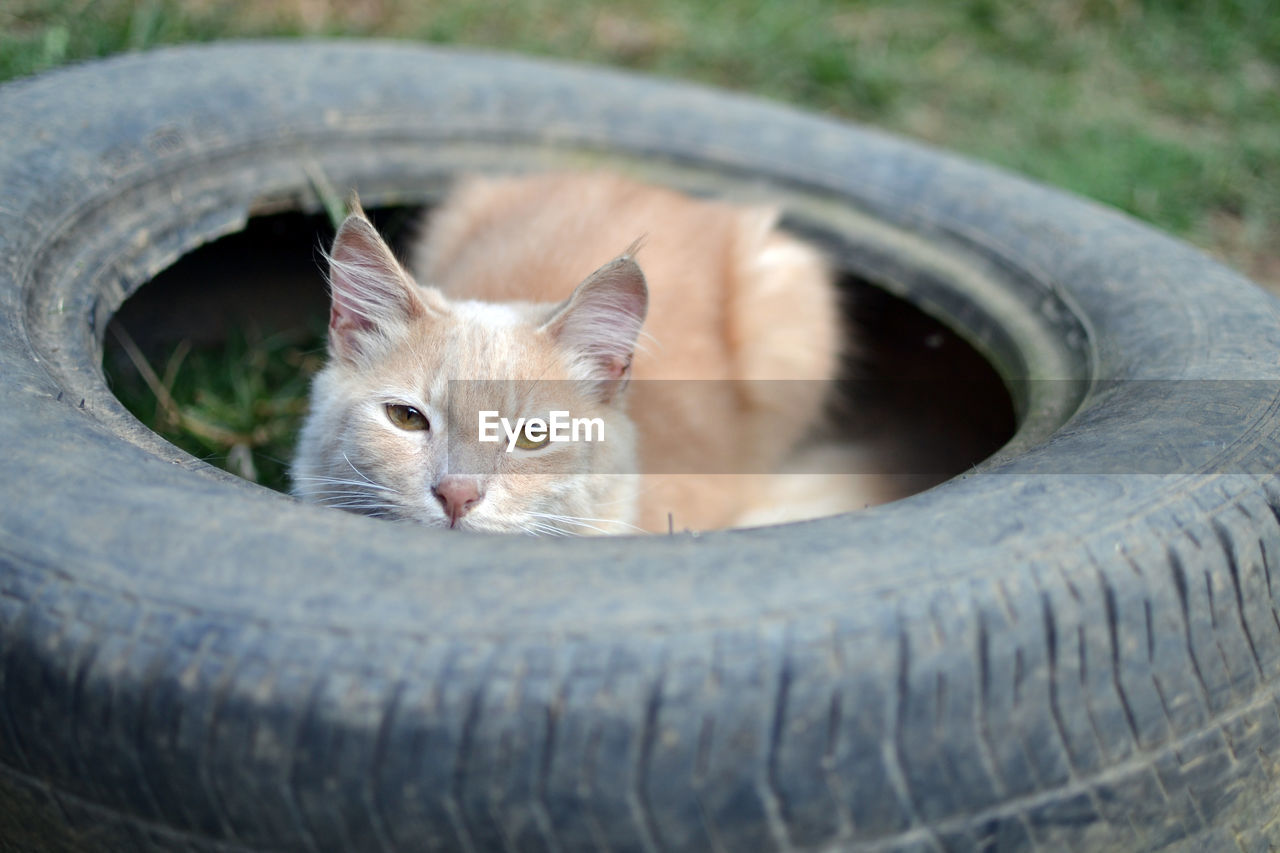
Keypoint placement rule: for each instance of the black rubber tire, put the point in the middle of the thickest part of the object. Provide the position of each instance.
(1076, 647)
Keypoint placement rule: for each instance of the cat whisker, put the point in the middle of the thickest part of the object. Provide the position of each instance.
(559, 517)
(538, 529)
(359, 473)
(347, 494)
(583, 521)
(327, 495)
(547, 528)
(578, 524)
(359, 502)
(334, 503)
(339, 481)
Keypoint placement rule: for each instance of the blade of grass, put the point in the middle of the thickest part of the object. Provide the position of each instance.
(323, 188)
(171, 368)
(166, 409)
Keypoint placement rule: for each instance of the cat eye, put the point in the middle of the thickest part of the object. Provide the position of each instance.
(406, 417)
(526, 442)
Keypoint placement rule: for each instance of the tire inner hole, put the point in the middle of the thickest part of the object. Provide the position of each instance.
(215, 354)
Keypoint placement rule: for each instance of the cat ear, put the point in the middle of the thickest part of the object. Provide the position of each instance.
(370, 292)
(600, 322)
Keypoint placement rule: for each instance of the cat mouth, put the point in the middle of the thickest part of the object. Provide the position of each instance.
(466, 524)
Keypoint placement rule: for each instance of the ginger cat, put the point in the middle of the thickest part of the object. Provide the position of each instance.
(743, 315)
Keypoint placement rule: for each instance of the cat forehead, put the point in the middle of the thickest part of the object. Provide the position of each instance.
(491, 315)
(497, 336)
(473, 340)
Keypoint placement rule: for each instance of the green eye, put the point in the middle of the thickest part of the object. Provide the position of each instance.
(406, 417)
(527, 442)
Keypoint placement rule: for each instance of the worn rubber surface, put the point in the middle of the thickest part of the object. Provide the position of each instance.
(1074, 648)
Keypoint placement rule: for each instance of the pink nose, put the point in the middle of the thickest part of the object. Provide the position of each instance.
(458, 494)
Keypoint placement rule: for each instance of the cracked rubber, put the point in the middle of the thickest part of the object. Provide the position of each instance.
(1075, 647)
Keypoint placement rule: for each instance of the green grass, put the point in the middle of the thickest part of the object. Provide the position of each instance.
(1168, 109)
(237, 406)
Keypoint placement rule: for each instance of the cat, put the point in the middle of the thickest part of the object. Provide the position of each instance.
(740, 317)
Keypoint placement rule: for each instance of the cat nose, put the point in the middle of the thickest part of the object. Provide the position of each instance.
(458, 494)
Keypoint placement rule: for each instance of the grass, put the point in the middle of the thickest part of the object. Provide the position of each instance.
(238, 406)
(1167, 109)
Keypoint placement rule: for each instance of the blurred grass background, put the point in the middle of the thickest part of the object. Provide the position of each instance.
(1167, 109)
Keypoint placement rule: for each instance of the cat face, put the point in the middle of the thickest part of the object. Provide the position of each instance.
(397, 424)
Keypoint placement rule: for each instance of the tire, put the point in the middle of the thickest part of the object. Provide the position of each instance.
(1076, 646)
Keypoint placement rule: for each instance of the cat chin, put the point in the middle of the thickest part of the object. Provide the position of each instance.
(468, 525)
(526, 526)
(424, 517)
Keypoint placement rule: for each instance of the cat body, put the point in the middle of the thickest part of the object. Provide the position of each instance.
(740, 323)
